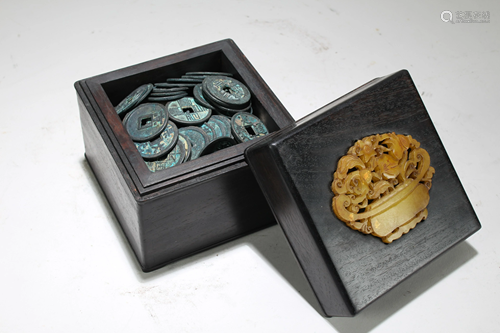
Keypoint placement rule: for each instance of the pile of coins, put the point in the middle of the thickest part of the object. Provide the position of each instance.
(170, 126)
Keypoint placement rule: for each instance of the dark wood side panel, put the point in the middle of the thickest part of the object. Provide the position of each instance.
(301, 235)
(121, 200)
(204, 215)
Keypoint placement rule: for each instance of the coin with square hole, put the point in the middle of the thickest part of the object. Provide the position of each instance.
(146, 122)
(175, 156)
(226, 91)
(187, 112)
(160, 146)
(246, 127)
(198, 138)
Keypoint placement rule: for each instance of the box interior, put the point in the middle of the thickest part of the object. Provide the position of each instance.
(217, 61)
(110, 88)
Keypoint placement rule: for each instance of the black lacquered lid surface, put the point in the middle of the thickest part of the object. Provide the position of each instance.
(294, 167)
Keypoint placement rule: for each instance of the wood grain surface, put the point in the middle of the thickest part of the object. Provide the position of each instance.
(347, 269)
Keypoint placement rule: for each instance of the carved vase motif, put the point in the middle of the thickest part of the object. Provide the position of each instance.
(382, 185)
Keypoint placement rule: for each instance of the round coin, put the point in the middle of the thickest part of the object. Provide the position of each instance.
(198, 138)
(184, 80)
(160, 146)
(187, 112)
(125, 119)
(198, 97)
(176, 85)
(209, 130)
(175, 156)
(146, 122)
(163, 87)
(226, 91)
(208, 73)
(230, 112)
(246, 127)
(166, 93)
(224, 120)
(187, 147)
(219, 129)
(167, 98)
(218, 144)
(133, 99)
(199, 77)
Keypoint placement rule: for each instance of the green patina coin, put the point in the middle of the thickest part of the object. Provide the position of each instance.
(175, 85)
(187, 112)
(125, 119)
(230, 112)
(218, 128)
(199, 77)
(208, 74)
(175, 156)
(209, 130)
(146, 122)
(167, 98)
(164, 87)
(218, 144)
(246, 127)
(198, 97)
(160, 146)
(226, 91)
(133, 99)
(198, 138)
(225, 121)
(184, 80)
(166, 93)
(187, 147)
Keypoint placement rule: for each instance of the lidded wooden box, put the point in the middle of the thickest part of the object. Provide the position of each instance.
(284, 177)
(174, 213)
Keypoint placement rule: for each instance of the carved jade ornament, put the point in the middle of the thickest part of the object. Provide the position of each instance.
(382, 185)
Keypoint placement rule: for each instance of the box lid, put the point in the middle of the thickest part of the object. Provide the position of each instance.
(347, 269)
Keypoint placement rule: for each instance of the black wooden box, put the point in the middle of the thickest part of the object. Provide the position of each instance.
(347, 269)
(176, 212)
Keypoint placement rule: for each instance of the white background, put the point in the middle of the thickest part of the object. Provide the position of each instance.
(66, 266)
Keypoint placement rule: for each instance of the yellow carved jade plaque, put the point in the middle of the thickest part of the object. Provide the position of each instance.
(382, 185)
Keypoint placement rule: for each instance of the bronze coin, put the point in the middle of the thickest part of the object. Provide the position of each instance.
(226, 91)
(198, 138)
(187, 112)
(160, 146)
(133, 99)
(146, 122)
(246, 127)
(218, 144)
(175, 156)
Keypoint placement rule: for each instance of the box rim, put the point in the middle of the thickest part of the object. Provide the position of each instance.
(146, 182)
